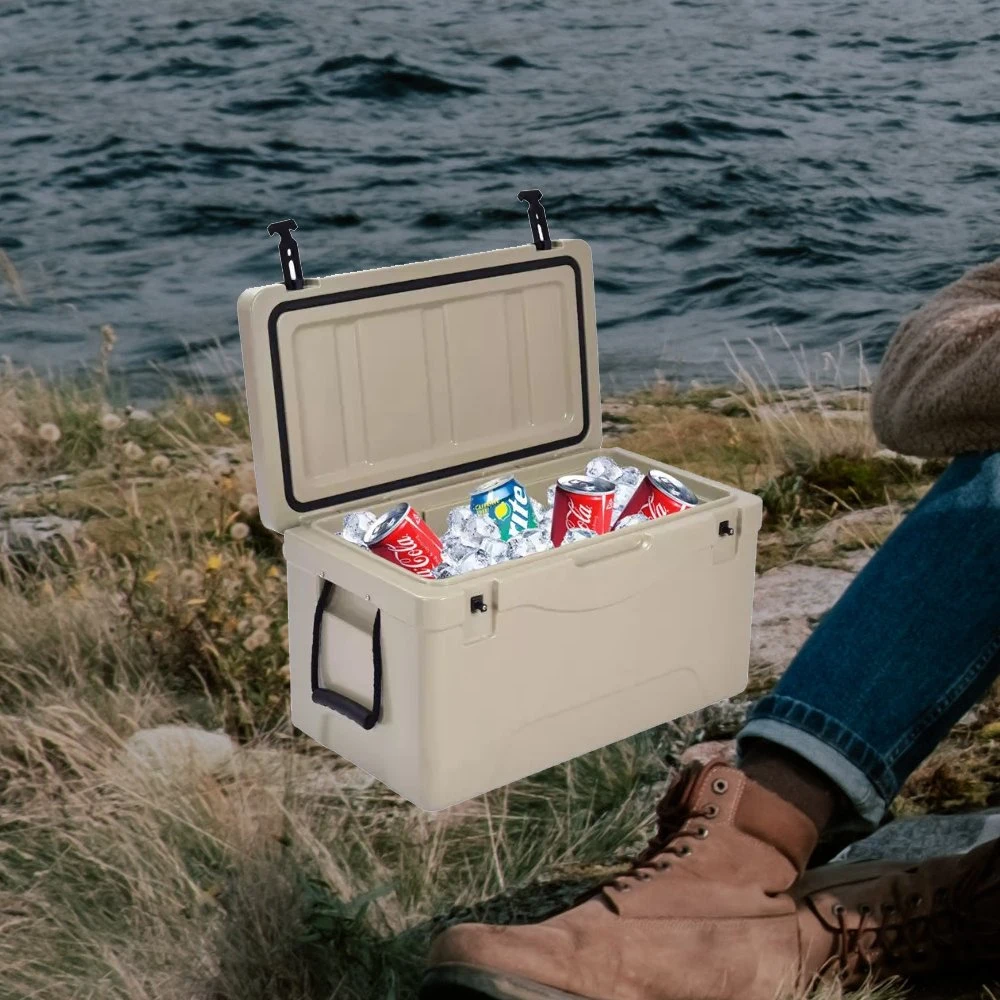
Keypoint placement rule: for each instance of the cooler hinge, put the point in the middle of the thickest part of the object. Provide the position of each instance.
(536, 216)
(288, 251)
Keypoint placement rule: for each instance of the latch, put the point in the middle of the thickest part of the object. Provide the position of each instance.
(288, 251)
(728, 543)
(536, 216)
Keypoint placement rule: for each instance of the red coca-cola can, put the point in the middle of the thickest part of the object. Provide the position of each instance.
(402, 536)
(582, 502)
(658, 494)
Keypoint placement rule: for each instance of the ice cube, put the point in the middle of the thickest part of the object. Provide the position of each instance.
(622, 496)
(473, 561)
(578, 535)
(631, 519)
(457, 517)
(527, 542)
(454, 550)
(356, 524)
(606, 468)
(538, 509)
(444, 571)
(630, 476)
(495, 549)
(477, 528)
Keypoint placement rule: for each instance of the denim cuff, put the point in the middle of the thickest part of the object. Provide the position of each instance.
(869, 803)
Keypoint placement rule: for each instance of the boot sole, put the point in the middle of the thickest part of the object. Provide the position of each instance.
(455, 981)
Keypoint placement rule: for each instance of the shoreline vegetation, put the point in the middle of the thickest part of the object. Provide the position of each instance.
(164, 833)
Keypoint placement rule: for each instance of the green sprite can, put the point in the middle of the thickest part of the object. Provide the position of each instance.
(506, 502)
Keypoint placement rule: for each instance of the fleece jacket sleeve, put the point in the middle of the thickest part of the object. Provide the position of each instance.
(937, 392)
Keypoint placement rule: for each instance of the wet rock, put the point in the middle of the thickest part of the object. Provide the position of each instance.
(21, 535)
(921, 837)
(788, 601)
(179, 751)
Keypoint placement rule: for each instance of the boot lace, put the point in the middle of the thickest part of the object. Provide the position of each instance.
(956, 927)
(672, 814)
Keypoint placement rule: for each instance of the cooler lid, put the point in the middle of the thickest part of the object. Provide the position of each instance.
(363, 384)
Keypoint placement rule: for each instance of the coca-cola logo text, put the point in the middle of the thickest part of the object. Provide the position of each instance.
(654, 508)
(579, 515)
(407, 552)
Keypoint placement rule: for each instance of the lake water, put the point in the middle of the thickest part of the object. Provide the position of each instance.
(739, 168)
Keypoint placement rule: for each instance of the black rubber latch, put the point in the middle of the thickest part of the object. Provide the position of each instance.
(288, 251)
(725, 528)
(477, 603)
(536, 216)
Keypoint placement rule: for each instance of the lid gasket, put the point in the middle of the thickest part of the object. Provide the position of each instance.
(416, 284)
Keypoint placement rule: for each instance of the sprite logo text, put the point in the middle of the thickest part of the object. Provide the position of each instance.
(521, 511)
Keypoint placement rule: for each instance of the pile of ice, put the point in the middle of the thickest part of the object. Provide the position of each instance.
(473, 541)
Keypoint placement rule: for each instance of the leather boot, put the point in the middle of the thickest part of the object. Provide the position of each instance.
(705, 913)
(877, 919)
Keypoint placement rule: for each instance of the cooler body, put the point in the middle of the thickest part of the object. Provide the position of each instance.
(578, 647)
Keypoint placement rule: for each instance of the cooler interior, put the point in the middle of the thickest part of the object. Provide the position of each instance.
(434, 504)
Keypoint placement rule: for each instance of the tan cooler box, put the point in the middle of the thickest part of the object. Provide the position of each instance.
(419, 382)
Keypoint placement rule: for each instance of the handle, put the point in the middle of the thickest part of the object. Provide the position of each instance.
(609, 550)
(354, 710)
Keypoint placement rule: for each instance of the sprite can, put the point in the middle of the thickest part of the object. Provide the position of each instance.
(506, 502)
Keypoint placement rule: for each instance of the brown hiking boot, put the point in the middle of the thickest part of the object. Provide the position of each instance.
(877, 919)
(704, 913)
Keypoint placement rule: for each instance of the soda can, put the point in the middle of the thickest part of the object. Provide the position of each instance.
(658, 494)
(402, 536)
(582, 502)
(505, 501)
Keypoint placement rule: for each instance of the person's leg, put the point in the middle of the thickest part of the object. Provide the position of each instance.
(713, 907)
(912, 644)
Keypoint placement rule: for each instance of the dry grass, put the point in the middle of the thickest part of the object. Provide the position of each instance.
(278, 873)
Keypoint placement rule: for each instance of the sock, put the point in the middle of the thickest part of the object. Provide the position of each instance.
(791, 776)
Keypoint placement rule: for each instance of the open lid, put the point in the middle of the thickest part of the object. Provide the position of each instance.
(363, 384)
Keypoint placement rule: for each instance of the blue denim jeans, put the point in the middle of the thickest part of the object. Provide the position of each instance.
(912, 644)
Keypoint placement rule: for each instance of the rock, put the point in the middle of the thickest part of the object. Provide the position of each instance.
(333, 781)
(854, 562)
(30, 534)
(895, 456)
(702, 753)
(842, 404)
(858, 416)
(15, 493)
(787, 601)
(723, 719)
(868, 526)
(179, 751)
(725, 402)
(921, 837)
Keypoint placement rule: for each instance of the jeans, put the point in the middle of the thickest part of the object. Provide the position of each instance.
(911, 645)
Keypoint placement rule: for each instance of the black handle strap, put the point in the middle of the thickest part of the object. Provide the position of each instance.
(354, 710)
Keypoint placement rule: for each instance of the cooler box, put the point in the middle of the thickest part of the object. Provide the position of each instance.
(417, 383)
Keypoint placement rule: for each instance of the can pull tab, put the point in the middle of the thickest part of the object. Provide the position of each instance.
(288, 250)
(536, 216)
